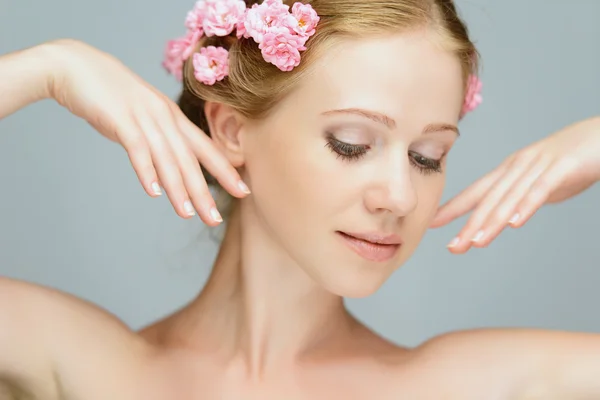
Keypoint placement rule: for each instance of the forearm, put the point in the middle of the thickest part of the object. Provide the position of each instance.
(570, 367)
(25, 77)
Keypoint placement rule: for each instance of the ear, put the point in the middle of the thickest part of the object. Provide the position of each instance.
(225, 126)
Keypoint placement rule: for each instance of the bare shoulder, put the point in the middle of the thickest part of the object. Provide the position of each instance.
(70, 341)
(512, 363)
(58, 311)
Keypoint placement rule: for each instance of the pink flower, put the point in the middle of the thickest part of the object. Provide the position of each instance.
(263, 18)
(281, 34)
(473, 96)
(211, 64)
(177, 52)
(240, 27)
(195, 17)
(222, 16)
(282, 48)
(307, 19)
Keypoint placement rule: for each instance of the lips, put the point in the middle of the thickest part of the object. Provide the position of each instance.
(373, 247)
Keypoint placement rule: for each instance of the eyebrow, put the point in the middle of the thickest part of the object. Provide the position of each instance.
(431, 128)
(389, 122)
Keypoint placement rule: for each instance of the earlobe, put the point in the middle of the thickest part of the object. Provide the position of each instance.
(226, 126)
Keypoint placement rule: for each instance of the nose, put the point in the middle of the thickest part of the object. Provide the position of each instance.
(393, 189)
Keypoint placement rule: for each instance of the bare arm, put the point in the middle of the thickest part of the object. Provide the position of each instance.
(55, 346)
(165, 148)
(520, 364)
(572, 365)
(24, 79)
(25, 365)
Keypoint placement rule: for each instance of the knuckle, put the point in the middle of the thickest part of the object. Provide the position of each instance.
(134, 144)
(540, 187)
(166, 156)
(147, 170)
(501, 215)
(524, 159)
(200, 196)
(189, 163)
(534, 197)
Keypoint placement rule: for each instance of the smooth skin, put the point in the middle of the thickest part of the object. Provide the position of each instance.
(549, 171)
(164, 147)
(55, 346)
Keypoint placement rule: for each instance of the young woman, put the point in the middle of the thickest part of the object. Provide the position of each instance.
(339, 117)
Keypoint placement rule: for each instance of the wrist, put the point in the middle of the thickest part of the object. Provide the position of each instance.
(26, 78)
(51, 59)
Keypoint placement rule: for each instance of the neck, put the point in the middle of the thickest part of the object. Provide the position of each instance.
(259, 307)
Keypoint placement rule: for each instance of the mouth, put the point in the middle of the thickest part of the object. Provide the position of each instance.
(373, 247)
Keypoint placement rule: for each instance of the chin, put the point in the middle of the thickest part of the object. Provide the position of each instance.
(358, 283)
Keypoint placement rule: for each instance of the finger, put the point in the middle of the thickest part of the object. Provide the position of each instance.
(193, 178)
(505, 212)
(541, 190)
(167, 168)
(467, 199)
(211, 158)
(471, 233)
(135, 144)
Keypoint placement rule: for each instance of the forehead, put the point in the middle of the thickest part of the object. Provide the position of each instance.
(409, 77)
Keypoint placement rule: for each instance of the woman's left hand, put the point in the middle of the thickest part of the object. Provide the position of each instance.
(549, 171)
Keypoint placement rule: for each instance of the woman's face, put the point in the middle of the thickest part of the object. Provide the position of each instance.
(349, 169)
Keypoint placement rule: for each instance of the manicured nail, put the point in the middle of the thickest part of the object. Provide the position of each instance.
(514, 219)
(214, 213)
(156, 188)
(453, 242)
(243, 187)
(189, 208)
(478, 236)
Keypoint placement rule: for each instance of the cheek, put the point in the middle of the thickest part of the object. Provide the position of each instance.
(429, 191)
(292, 174)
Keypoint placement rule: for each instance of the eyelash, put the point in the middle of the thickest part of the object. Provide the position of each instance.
(353, 152)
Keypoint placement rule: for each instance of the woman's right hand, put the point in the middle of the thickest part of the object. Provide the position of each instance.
(164, 147)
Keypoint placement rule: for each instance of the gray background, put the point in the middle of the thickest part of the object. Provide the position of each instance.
(73, 215)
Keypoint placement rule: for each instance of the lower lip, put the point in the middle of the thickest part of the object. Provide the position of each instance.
(370, 251)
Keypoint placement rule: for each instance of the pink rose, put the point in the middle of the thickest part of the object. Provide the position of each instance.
(473, 96)
(282, 49)
(240, 27)
(222, 16)
(211, 64)
(177, 52)
(261, 19)
(194, 18)
(306, 17)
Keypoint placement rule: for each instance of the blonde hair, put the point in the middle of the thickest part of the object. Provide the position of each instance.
(254, 86)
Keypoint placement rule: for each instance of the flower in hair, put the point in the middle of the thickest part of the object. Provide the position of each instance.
(473, 96)
(211, 64)
(266, 17)
(221, 16)
(240, 27)
(281, 35)
(194, 19)
(177, 52)
(307, 19)
(282, 48)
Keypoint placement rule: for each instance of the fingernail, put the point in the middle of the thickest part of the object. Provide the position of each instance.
(453, 242)
(214, 213)
(478, 236)
(243, 187)
(189, 208)
(156, 188)
(514, 219)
